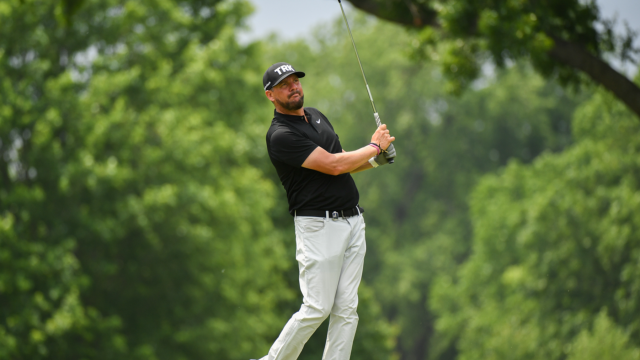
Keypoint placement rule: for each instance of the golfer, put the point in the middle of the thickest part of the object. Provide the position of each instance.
(323, 199)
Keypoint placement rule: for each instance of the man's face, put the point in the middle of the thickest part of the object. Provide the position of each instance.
(288, 93)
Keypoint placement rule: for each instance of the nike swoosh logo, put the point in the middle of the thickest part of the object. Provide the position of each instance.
(318, 121)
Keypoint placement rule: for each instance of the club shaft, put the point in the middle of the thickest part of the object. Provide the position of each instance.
(390, 149)
(359, 62)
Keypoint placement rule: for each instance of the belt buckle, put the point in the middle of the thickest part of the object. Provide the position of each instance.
(335, 215)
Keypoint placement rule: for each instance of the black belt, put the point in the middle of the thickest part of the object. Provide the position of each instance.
(332, 213)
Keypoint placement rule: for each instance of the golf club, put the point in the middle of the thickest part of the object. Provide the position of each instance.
(391, 151)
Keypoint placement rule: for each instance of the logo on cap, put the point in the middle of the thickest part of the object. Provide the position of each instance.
(283, 69)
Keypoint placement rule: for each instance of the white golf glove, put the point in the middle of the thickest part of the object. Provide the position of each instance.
(379, 160)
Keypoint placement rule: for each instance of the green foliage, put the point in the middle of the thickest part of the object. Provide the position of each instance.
(40, 283)
(554, 243)
(133, 217)
(140, 217)
(505, 31)
(605, 342)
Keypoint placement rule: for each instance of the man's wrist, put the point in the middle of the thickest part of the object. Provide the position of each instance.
(377, 147)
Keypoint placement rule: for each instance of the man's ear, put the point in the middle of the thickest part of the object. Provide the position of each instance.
(269, 95)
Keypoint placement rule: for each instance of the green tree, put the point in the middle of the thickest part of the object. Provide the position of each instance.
(563, 39)
(555, 244)
(605, 341)
(132, 215)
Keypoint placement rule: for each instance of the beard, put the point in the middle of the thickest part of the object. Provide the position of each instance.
(292, 105)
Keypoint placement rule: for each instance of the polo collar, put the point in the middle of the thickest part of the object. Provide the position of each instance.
(282, 116)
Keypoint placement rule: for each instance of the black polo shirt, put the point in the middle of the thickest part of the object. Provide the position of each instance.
(290, 140)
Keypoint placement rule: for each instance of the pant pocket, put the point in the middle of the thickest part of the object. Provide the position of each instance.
(311, 224)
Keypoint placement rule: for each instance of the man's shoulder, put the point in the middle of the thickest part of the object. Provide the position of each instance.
(279, 126)
(281, 131)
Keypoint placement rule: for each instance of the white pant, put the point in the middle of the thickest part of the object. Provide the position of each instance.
(330, 256)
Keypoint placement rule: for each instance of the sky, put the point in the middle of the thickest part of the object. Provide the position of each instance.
(303, 15)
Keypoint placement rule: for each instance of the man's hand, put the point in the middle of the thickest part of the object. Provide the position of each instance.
(382, 137)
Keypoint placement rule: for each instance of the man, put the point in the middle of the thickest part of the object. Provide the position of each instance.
(323, 198)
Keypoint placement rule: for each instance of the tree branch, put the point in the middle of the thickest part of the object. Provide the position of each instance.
(579, 58)
(405, 12)
(418, 15)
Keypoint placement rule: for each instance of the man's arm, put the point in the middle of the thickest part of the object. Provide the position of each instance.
(336, 164)
(346, 162)
(363, 167)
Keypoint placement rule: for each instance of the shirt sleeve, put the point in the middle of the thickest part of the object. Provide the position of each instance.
(291, 148)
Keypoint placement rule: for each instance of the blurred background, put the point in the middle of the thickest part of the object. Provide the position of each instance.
(141, 218)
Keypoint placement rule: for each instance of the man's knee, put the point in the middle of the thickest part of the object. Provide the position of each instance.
(346, 310)
(318, 313)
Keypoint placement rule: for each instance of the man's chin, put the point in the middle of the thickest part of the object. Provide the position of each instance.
(293, 105)
(296, 105)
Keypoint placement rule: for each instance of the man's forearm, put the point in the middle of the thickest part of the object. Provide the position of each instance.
(363, 167)
(357, 160)
(342, 163)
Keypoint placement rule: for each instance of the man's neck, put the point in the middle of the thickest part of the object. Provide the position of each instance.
(281, 110)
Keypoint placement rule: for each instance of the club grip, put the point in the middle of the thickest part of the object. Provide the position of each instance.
(391, 154)
(391, 151)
